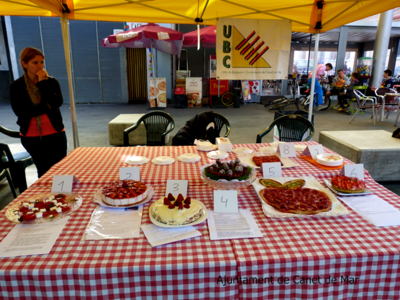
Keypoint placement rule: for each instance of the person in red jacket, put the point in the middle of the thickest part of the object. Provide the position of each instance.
(35, 99)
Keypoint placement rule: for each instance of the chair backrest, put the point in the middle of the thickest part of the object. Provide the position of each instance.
(156, 123)
(10, 133)
(291, 128)
(358, 95)
(221, 121)
(382, 91)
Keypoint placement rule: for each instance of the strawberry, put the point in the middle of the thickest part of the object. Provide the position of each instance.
(166, 201)
(178, 202)
(187, 200)
(180, 197)
(186, 206)
(171, 206)
(180, 207)
(170, 197)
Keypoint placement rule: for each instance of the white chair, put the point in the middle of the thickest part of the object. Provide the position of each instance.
(361, 100)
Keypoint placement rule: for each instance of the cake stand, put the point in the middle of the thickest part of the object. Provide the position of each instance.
(224, 184)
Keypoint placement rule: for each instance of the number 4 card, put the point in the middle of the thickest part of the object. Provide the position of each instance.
(226, 201)
(313, 150)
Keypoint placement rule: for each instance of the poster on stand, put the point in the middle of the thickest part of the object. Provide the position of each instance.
(253, 49)
(194, 89)
(158, 89)
(251, 90)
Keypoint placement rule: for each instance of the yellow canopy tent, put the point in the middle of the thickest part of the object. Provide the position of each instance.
(306, 15)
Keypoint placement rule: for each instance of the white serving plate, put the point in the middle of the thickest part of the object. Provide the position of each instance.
(189, 158)
(330, 160)
(329, 185)
(137, 160)
(203, 217)
(217, 154)
(163, 160)
(214, 147)
(98, 199)
(242, 150)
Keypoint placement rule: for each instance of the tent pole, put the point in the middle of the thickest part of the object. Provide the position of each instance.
(310, 108)
(153, 57)
(65, 35)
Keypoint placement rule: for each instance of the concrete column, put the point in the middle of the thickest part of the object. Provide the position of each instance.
(381, 46)
(341, 54)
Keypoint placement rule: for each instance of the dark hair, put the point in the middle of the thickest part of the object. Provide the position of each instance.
(355, 75)
(27, 54)
(329, 65)
(389, 72)
(340, 70)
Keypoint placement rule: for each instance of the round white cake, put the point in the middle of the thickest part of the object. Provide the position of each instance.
(124, 193)
(176, 210)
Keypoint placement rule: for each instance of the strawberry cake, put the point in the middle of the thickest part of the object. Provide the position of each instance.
(124, 193)
(176, 210)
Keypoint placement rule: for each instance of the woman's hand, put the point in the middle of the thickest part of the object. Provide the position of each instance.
(42, 75)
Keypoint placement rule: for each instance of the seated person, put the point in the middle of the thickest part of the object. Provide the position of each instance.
(343, 97)
(387, 83)
(338, 82)
(200, 127)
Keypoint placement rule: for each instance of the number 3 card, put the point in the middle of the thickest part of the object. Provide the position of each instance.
(176, 187)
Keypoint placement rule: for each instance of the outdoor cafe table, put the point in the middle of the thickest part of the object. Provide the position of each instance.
(363, 258)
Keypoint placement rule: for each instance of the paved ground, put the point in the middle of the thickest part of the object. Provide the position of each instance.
(246, 122)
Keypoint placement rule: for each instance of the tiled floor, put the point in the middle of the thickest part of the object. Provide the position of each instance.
(246, 122)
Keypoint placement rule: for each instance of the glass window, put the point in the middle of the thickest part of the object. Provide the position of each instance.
(371, 54)
(397, 66)
(300, 61)
(349, 62)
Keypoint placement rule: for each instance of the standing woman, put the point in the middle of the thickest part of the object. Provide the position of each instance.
(35, 99)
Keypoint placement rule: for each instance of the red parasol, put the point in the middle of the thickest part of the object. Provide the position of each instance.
(161, 38)
(208, 37)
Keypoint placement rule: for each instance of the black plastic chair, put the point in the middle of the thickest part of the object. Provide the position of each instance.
(220, 122)
(291, 128)
(156, 123)
(4, 174)
(16, 163)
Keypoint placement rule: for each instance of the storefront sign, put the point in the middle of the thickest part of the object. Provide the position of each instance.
(253, 49)
(193, 91)
(158, 89)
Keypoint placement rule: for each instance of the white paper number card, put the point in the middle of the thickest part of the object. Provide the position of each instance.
(356, 170)
(176, 187)
(63, 183)
(313, 150)
(132, 173)
(225, 201)
(272, 170)
(286, 150)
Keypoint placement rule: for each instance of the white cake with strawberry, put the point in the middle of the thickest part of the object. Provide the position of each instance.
(176, 210)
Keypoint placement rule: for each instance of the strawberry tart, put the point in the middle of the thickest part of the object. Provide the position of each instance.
(124, 193)
(347, 184)
(176, 210)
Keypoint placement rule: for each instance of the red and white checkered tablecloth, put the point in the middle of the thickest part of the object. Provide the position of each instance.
(115, 269)
(101, 165)
(346, 247)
